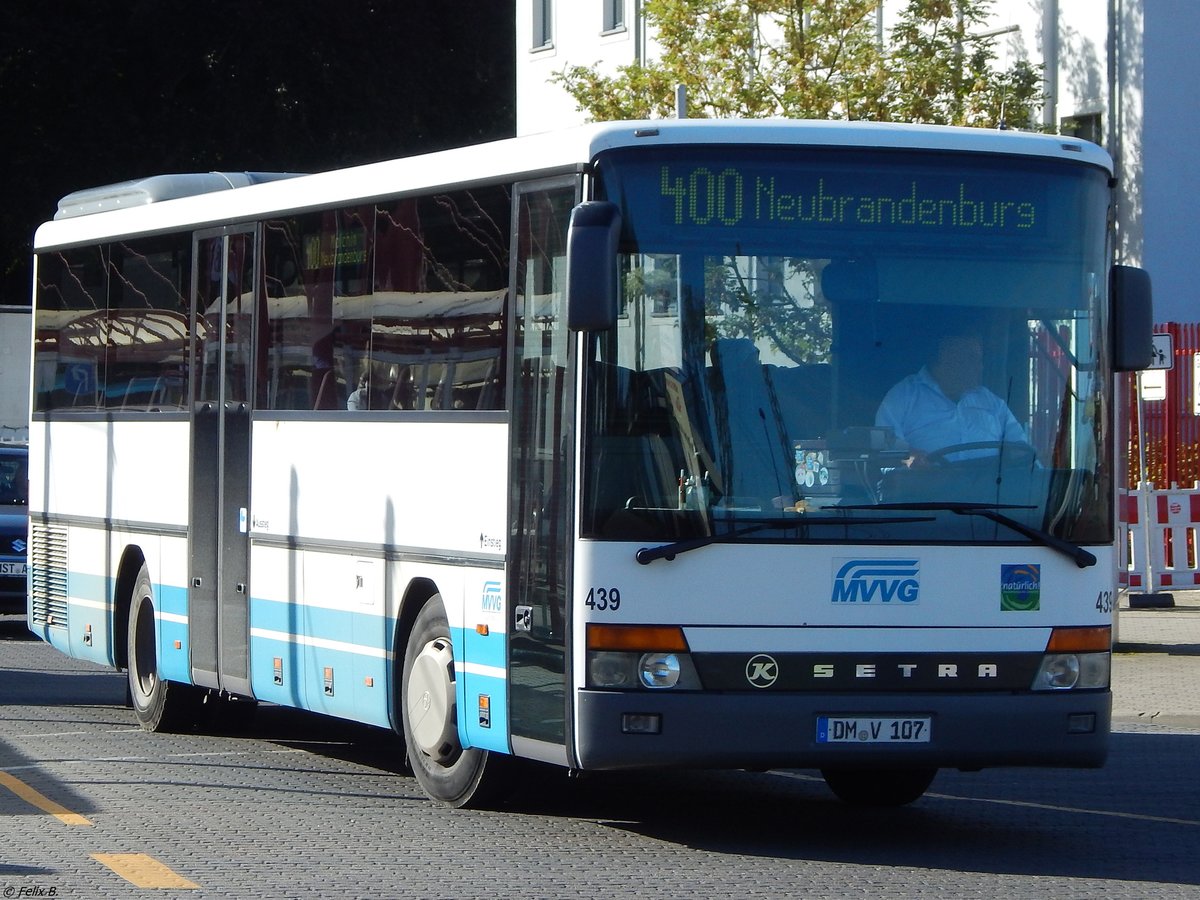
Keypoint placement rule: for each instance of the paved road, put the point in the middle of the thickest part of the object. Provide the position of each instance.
(1156, 670)
(299, 806)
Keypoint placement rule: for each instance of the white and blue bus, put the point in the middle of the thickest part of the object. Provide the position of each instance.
(574, 448)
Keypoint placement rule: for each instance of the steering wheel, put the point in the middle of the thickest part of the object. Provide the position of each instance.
(1013, 453)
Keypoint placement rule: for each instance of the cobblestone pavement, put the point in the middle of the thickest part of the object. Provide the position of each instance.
(1156, 666)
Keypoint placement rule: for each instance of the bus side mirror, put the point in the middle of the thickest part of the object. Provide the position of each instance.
(1132, 319)
(592, 288)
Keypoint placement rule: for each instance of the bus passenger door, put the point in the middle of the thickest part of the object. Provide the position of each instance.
(218, 578)
(541, 466)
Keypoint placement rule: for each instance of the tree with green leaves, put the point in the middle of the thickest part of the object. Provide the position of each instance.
(816, 59)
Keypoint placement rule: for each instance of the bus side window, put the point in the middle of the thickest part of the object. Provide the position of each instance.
(69, 343)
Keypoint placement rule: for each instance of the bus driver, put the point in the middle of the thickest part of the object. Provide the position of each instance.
(945, 405)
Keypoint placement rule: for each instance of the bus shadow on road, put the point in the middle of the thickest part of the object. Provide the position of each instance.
(82, 689)
(28, 789)
(1135, 820)
(15, 628)
(1123, 822)
(324, 736)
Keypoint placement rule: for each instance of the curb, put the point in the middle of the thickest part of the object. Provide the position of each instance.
(1151, 601)
(1152, 647)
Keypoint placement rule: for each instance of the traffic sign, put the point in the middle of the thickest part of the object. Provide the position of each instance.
(1164, 352)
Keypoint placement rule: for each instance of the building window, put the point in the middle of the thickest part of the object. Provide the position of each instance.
(1086, 127)
(543, 32)
(614, 15)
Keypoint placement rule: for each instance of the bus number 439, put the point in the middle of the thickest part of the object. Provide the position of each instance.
(601, 599)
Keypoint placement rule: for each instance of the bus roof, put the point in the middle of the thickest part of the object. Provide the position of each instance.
(167, 203)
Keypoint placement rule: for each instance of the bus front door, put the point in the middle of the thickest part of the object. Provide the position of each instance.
(218, 578)
(542, 481)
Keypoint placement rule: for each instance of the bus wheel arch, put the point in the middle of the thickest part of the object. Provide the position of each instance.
(132, 561)
(416, 595)
(449, 773)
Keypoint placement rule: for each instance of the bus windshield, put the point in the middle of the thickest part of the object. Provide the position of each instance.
(881, 346)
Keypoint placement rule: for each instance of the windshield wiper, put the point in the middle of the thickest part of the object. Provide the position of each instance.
(1081, 557)
(647, 555)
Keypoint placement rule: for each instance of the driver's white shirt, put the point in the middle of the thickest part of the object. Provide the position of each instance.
(924, 418)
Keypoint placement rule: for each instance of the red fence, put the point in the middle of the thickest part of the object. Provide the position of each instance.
(1172, 428)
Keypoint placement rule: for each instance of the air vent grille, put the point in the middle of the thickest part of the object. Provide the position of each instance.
(48, 581)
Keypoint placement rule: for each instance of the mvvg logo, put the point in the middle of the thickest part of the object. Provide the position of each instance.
(882, 580)
(492, 598)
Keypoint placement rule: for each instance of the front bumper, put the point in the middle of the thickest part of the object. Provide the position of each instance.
(779, 730)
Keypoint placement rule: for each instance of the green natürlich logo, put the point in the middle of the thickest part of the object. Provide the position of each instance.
(1020, 588)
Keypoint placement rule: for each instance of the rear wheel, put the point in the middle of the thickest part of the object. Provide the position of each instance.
(159, 705)
(879, 787)
(447, 772)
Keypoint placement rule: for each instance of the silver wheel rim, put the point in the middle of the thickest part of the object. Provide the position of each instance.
(431, 703)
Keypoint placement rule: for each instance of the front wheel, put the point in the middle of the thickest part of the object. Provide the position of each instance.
(447, 772)
(879, 787)
(158, 704)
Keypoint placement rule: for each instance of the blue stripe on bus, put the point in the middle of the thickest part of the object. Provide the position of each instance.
(483, 698)
(174, 662)
(99, 590)
(76, 640)
(89, 634)
(171, 599)
(366, 629)
(483, 650)
(360, 673)
(356, 688)
(168, 598)
(290, 689)
(360, 678)
(302, 667)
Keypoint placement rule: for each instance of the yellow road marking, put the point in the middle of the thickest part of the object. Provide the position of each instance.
(41, 801)
(143, 871)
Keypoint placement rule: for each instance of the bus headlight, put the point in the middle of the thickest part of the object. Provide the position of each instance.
(629, 657)
(610, 670)
(1067, 671)
(1076, 659)
(659, 670)
(617, 670)
(630, 671)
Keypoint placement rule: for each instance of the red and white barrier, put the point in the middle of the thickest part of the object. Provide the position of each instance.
(1160, 530)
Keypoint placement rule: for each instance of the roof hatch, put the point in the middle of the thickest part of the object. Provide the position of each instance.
(155, 189)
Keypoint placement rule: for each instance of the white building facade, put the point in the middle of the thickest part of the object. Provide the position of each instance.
(1119, 72)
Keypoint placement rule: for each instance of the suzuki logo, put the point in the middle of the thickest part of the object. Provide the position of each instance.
(19, 545)
(762, 671)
